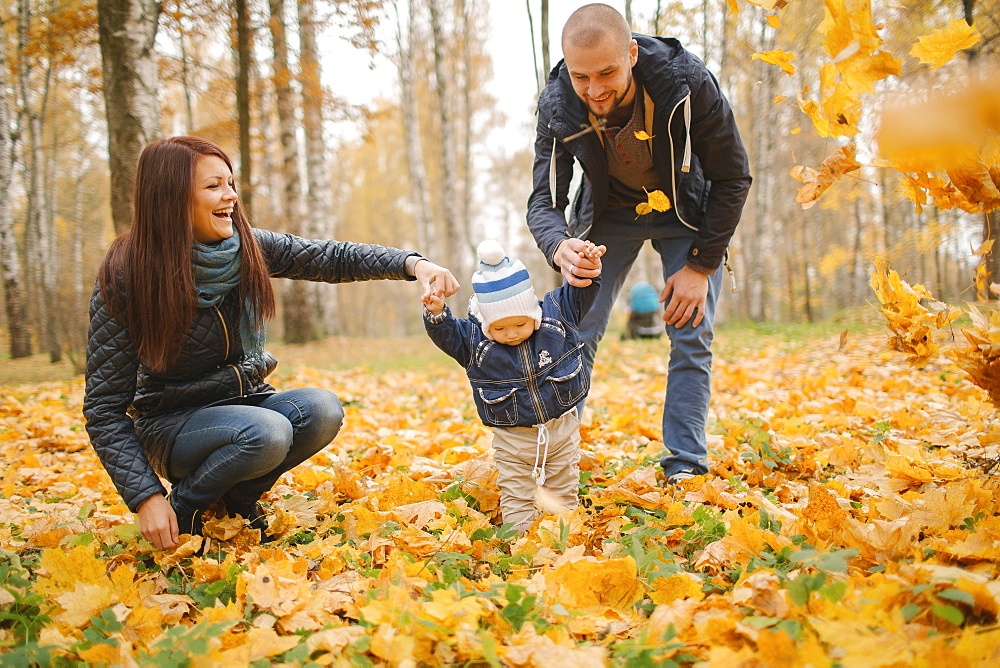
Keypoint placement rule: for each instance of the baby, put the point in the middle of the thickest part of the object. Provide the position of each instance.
(524, 361)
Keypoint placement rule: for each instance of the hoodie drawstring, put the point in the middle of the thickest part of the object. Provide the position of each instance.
(538, 472)
(552, 173)
(686, 162)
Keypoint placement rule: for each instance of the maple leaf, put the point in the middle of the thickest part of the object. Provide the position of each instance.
(264, 642)
(836, 165)
(61, 570)
(981, 359)
(782, 59)
(769, 5)
(586, 581)
(912, 323)
(938, 48)
(677, 586)
(82, 603)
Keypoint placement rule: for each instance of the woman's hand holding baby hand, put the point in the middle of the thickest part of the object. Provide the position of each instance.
(434, 302)
(434, 279)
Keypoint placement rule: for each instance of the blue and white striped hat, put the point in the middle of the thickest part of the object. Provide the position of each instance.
(503, 288)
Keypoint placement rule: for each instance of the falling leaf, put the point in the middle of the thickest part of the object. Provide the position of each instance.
(939, 47)
(779, 98)
(641, 135)
(836, 165)
(782, 59)
(913, 324)
(774, 21)
(769, 5)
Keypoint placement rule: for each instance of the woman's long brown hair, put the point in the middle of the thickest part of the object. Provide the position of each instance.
(146, 276)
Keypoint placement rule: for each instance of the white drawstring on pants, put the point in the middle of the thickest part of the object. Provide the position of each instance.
(538, 473)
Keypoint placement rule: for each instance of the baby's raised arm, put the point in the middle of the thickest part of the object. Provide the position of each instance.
(434, 301)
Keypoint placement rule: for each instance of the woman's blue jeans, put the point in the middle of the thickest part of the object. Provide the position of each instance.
(244, 449)
(689, 372)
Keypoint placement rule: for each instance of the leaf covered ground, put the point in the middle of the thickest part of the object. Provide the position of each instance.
(850, 519)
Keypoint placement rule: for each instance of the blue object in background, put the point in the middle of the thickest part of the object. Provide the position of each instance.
(643, 298)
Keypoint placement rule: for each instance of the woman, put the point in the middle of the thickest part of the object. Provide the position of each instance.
(175, 366)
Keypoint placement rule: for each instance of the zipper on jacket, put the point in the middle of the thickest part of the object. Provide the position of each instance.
(532, 390)
(239, 378)
(673, 157)
(225, 335)
(225, 331)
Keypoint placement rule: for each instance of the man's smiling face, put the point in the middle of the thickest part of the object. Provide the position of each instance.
(602, 74)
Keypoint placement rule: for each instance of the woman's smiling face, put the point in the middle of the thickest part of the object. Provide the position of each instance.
(213, 200)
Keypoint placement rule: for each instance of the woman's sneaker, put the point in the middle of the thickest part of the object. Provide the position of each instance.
(188, 521)
(252, 512)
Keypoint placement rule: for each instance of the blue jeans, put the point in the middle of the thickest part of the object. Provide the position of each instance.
(689, 372)
(244, 449)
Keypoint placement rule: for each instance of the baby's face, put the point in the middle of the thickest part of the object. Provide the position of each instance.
(513, 330)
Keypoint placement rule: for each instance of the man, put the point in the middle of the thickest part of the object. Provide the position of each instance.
(641, 114)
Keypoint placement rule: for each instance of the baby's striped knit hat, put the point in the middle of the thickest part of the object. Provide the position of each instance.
(503, 287)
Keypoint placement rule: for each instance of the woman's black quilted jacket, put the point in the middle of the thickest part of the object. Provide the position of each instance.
(134, 414)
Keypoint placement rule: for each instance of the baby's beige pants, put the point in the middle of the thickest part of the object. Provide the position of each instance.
(546, 456)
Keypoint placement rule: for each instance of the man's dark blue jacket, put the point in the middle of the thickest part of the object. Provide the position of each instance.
(696, 148)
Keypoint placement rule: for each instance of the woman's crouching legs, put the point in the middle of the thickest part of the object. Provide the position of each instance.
(240, 451)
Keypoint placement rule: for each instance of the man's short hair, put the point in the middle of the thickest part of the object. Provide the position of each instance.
(591, 24)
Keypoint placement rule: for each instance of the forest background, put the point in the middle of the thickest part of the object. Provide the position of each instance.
(84, 85)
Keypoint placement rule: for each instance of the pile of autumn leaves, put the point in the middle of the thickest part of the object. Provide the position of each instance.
(850, 518)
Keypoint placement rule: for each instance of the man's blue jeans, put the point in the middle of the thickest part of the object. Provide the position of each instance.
(248, 447)
(689, 373)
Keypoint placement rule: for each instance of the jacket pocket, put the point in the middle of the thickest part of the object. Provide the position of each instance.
(569, 382)
(500, 406)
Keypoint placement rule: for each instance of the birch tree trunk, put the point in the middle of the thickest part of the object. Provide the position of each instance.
(539, 74)
(298, 317)
(10, 266)
(456, 238)
(38, 218)
(127, 31)
(318, 221)
(546, 52)
(463, 120)
(244, 54)
(185, 78)
(427, 238)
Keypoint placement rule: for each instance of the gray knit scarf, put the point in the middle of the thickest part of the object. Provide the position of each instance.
(216, 269)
